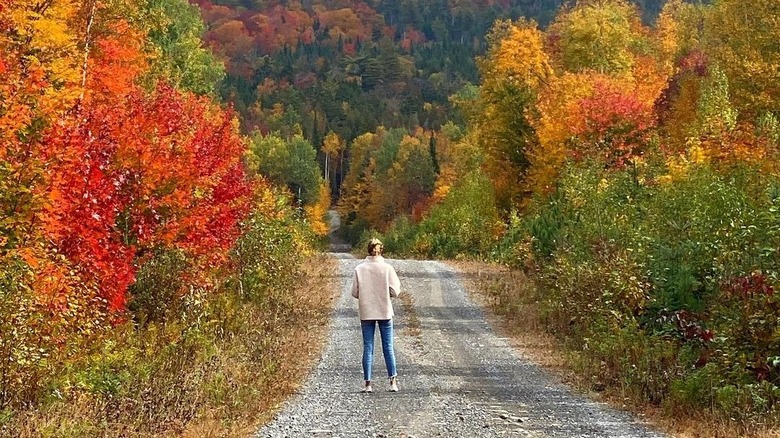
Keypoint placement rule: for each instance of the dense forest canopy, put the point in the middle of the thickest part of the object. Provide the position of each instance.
(300, 62)
(348, 66)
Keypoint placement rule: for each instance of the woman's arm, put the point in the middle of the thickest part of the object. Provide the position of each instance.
(394, 283)
(355, 291)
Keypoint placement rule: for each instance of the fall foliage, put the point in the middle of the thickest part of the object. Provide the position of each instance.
(634, 171)
(112, 153)
(625, 153)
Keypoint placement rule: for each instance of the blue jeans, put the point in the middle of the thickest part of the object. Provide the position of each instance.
(386, 333)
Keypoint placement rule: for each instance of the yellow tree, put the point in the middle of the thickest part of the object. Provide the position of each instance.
(743, 37)
(457, 153)
(600, 35)
(359, 180)
(679, 38)
(514, 69)
(557, 118)
(677, 106)
(678, 32)
(411, 179)
(332, 146)
(39, 45)
(316, 212)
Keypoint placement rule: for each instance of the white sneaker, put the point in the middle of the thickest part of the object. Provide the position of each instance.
(367, 388)
(393, 386)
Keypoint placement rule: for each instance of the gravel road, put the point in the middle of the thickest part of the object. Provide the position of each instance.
(456, 378)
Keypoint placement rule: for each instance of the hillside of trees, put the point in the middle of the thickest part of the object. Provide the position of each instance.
(348, 67)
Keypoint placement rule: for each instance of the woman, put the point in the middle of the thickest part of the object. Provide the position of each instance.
(373, 283)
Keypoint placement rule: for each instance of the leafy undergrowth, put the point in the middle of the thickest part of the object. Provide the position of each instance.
(515, 310)
(219, 378)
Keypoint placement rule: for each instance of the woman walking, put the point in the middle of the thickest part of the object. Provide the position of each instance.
(373, 283)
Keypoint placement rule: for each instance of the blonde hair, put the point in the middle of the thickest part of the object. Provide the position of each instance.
(375, 247)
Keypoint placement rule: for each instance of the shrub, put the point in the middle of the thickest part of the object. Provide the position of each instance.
(352, 228)
(545, 227)
(398, 239)
(267, 257)
(667, 287)
(159, 286)
(39, 333)
(22, 320)
(465, 223)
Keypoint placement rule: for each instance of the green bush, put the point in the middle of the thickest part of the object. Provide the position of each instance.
(353, 228)
(546, 227)
(158, 287)
(666, 288)
(39, 334)
(267, 257)
(697, 227)
(398, 239)
(22, 325)
(465, 223)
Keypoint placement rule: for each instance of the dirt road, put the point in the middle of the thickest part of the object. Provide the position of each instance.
(456, 376)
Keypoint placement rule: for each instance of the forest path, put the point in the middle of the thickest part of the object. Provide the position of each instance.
(456, 376)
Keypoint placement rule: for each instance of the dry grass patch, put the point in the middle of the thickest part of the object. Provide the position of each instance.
(412, 327)
(223, 379)
(269, 381)
(510, 301)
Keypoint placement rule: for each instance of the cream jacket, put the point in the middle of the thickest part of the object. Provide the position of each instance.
(373, 283)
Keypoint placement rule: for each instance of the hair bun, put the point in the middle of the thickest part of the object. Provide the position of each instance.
(372, 245)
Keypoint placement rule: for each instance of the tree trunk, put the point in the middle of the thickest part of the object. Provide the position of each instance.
(87, 44)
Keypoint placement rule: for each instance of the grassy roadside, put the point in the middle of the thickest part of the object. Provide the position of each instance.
(511, 303)
(222, 380)
(298, 343)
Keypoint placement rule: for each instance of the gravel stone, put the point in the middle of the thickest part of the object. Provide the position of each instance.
(458, 378)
